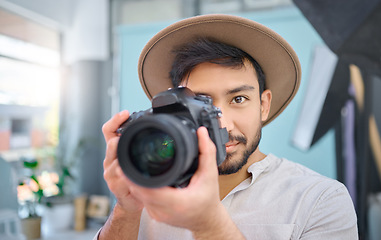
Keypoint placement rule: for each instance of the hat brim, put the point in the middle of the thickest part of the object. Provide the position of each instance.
(278, 60)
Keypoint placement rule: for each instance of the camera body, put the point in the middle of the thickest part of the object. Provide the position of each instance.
(159, 146)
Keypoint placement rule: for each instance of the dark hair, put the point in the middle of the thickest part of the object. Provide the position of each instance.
(203, 50)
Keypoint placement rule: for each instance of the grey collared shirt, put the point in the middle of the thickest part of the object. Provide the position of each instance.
(281, 200)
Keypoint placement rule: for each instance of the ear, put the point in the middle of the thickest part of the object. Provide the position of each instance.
(266, 104)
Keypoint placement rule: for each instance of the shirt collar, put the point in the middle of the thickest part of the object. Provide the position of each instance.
(255, 170)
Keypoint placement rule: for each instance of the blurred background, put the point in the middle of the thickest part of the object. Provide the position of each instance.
(66, 66)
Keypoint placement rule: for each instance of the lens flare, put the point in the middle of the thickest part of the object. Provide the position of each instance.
(153, 152)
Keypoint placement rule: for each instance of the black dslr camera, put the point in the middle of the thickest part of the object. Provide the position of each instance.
(159, 146)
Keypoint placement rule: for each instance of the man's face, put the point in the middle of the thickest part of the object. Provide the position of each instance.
(236, 92)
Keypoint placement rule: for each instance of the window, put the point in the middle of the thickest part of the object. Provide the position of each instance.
(29, 86)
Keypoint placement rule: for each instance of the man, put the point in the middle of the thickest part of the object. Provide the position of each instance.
(251, 74)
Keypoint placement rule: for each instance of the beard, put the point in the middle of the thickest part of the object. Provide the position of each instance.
(229, 166)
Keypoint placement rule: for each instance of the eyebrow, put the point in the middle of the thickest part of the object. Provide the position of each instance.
(232, 91)
(240, 89)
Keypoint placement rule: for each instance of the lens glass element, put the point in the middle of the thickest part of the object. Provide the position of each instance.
(152, 152)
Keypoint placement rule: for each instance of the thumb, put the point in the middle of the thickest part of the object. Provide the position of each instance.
(207, 149)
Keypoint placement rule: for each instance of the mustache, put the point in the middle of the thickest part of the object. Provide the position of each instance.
(240, 139)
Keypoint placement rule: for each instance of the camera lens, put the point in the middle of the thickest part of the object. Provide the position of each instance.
(152, 152)
(158, 150)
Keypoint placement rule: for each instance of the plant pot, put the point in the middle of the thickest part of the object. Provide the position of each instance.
(31, 227)
(57, 217)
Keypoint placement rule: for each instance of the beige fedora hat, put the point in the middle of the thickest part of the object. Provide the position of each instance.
(278, 60)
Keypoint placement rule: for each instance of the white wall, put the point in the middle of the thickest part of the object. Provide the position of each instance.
(88, 35)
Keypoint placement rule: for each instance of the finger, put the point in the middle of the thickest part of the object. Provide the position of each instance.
(110, 127)
(206, 147)
(111, 152)
(207, 158)
(110, 171)
(153, 196)
(118, 182)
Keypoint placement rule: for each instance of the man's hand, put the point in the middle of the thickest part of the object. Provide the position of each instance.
(117, 182)
(125, 218)
(196, 207)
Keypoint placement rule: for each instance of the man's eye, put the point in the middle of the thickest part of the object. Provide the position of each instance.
(238, 99)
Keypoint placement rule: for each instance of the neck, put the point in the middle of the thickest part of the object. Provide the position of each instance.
(228, 182)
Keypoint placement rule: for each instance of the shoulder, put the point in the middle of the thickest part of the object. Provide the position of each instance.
(299, 184)
(282, 169)
(302, 179)
(304, 189)
(325, 205)
(283, 164)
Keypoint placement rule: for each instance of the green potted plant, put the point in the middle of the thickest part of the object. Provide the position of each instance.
(30, 193)
(48, 181)
(43, 191)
